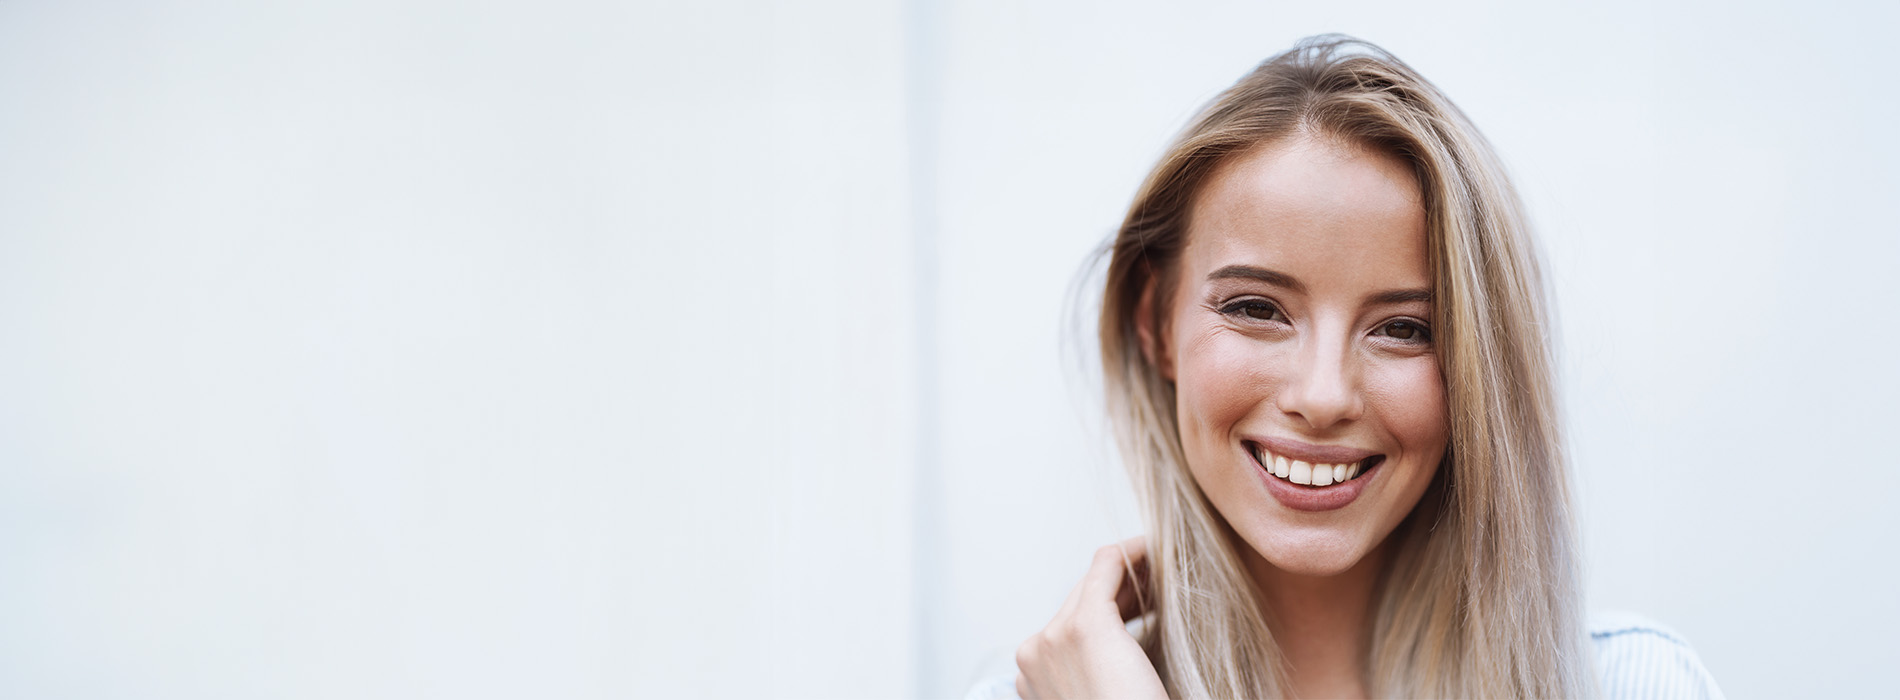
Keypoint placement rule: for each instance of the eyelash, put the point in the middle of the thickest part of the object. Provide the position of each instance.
(1238, 309)
(1422, 332)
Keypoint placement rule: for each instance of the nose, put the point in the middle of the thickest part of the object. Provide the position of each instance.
(1322, 387)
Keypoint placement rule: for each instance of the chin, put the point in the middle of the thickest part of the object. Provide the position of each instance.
(1320, 552)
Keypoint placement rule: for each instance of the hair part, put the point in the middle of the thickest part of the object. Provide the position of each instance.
(1481, 597)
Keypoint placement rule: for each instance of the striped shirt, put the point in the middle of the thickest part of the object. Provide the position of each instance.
(1636, 659)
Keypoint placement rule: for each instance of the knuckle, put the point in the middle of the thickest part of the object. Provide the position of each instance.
(1069, 632)
(1028, 653)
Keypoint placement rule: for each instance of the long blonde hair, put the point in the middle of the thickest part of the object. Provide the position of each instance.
(1481, 597)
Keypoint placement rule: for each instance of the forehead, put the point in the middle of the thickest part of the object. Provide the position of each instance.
(1321, 211)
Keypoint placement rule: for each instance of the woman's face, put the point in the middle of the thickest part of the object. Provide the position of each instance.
(1299, 342)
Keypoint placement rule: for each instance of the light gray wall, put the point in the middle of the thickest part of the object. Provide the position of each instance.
(730, 349)
(407, 350)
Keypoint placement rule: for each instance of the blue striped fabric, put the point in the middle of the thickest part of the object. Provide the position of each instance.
(1636, 659)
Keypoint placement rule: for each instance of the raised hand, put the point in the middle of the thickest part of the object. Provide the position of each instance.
(1086, 651)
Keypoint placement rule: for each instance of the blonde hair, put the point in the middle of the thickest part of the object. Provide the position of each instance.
(1481, 596)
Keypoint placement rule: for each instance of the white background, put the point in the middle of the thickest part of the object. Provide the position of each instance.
(583, 349)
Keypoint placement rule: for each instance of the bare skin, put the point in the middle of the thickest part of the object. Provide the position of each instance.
(1086, 652)
(1323, 625)
(1322, 338)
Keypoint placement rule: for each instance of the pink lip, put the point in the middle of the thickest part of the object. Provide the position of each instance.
(1315, 499)
(1311, 454)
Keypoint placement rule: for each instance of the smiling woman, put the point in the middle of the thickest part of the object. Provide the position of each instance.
(1323, 337)
(1304, 354)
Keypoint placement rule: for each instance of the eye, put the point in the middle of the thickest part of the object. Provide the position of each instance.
(1254, 309)
(1407, 330)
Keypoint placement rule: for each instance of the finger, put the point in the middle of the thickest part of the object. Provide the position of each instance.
(1074, 599)
(1090, 588)
(1136, 548)
(1105, 575)
(1132, 597)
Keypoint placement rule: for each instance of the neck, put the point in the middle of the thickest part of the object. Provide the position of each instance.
(1322, 624)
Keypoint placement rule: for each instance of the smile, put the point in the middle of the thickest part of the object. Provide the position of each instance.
(1313, 474)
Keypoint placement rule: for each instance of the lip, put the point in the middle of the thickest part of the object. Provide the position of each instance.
(1309, 453)
(1308, 498)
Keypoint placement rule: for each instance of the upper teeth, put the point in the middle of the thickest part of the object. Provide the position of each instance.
(1304, 473)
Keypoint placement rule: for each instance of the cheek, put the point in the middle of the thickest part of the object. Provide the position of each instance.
(1410, 399)
(1221, 378)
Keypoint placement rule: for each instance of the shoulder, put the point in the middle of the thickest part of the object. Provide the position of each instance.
(994, 687)
(1637, 658)
(995, 677)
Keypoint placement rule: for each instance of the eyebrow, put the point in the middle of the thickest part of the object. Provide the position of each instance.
(1401, 296)
(1249, 272)
(1281, 279)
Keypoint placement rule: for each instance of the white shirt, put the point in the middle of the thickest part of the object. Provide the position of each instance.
(1636, 659)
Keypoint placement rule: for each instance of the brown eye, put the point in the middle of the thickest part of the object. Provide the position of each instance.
(1406, 330)
(1255, 309)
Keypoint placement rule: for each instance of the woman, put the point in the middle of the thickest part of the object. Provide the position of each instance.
(1324, 345)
